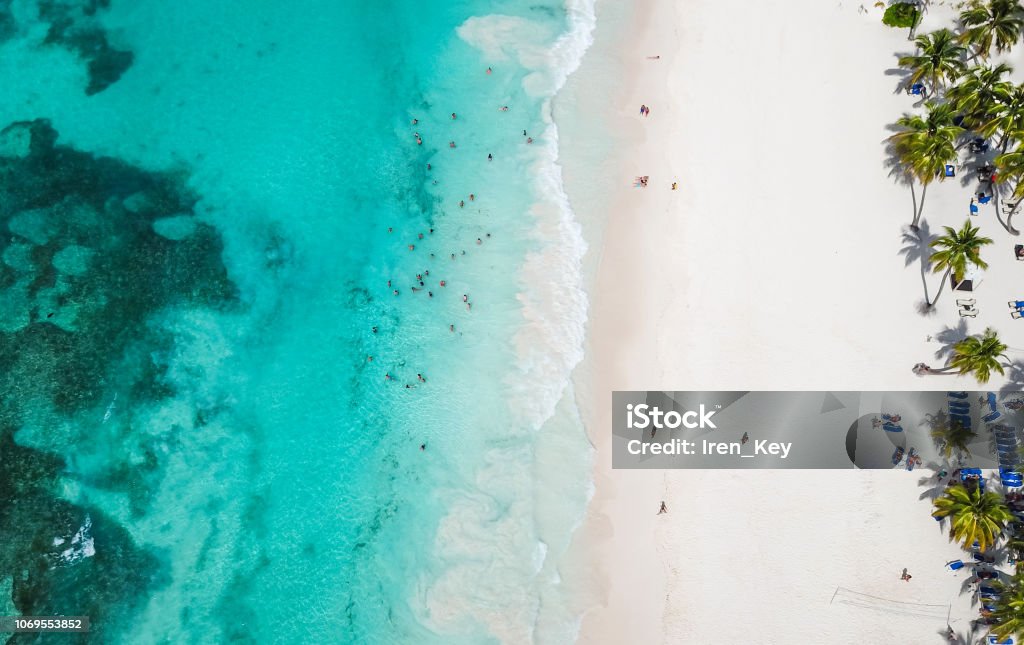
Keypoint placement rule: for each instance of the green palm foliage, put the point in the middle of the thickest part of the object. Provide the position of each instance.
(979, 91)
(953, 437)
(924, 145)
(1015, 544)
(1009, 608)
(1011, 171)
(997, 22)
(939, 58)
(975, 516)
(957, 249)
(1007, 117)
(979, 355)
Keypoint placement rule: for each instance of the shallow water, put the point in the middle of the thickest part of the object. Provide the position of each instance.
(204, 205)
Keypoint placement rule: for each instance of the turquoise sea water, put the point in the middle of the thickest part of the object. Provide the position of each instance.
(205, 429)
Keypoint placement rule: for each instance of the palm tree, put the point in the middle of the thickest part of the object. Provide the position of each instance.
(924, 145)
(1006, 118)
(976, 516)
(979, 91)
(1011, 170)
(1015, 545)
(1009, 608)
(953, 437)
(957, 249)
(940, 58)
(997, 21)
(979, 355)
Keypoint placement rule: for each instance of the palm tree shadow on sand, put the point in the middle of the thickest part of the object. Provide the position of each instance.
(932, 483)
(1014, 379)
(897, 171)
(949, 337)
(915, 249)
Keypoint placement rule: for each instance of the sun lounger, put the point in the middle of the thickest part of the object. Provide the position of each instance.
(1015, 314)
(984, 199)
(964, 420)
(988, 575)
(965, 302)
(974, 209)
(950, 171)
(968, 313)
(957, 395)
(917, 89)
(992, 640)
(955, 565)
(991, 416)
(892, 427)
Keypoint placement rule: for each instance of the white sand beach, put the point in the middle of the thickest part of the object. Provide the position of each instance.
(780, 263)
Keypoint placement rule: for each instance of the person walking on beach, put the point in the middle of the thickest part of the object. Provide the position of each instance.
(906, 576)
(745, 439)
(643, 110)
(663, 509)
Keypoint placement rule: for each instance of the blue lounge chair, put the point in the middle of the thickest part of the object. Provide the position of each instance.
(992, 640)
(991, 399)
(1016, 304)
(992, 416)
(964, 420)
(917, 89)
(965, 472)
(950, 171)
(957, 395)
(955, 565)
(984, 199)
(892, 427)
(974, 209)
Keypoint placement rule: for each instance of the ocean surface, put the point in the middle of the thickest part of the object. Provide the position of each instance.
(271, 369)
